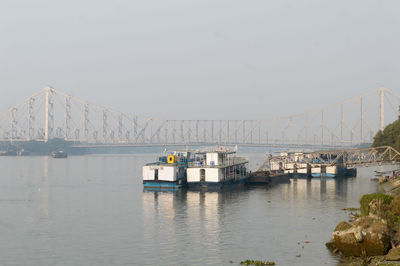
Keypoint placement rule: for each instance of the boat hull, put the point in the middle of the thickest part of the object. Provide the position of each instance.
(341, 172)
(163, 184)
(59, 155)
(267, 178)
(216, 185)
(323, 175)
(298, 175)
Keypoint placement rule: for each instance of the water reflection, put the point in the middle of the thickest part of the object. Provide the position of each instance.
(185, 217)
(321, 189)
(206, 205)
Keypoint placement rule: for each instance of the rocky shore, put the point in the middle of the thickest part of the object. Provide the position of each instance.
(373, 236)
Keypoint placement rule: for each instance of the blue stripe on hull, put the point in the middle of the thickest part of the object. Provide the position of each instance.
(323, 175)
(160, 184)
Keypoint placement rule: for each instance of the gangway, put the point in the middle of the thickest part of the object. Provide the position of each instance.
(346, 157)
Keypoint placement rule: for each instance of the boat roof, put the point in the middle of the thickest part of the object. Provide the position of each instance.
(220, 150)
(163, 164)
(180, 151)
(216, 151)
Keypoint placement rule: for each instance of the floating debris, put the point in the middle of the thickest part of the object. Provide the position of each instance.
(257, 262)
(307, 242)
(350, 209)
(298, 255)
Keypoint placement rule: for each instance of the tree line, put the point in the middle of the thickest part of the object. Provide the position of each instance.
(390, 136)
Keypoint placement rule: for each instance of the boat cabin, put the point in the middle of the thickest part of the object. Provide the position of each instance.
(168, 168)
(216, 166)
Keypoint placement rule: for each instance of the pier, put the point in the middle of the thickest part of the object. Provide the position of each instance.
(299, 162)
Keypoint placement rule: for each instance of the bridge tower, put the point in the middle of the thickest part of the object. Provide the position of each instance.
(49, 113)
(382, 108)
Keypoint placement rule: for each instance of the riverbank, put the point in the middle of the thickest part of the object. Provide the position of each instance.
(373, 236)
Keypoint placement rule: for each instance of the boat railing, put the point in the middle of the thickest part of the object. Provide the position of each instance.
(227, 162)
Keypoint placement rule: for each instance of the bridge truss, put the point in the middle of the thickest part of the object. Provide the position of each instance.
(51, 113)
(345, 157)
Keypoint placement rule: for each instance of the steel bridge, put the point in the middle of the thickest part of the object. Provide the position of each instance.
(326, 158)
(51, 114)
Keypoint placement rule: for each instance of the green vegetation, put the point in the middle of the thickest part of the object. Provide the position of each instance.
(367, 198)
(390, 136)
(392, 214)
(389, 211)
(257, 262)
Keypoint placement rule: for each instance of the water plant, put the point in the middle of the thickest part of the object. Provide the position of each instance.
(350, 209)
(257, 262)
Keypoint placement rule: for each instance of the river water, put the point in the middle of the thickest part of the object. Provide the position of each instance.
(92, 210)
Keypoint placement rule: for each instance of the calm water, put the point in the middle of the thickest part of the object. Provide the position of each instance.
(92, 210)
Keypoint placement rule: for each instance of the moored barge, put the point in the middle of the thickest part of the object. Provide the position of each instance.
(217, 169)
(169, 172)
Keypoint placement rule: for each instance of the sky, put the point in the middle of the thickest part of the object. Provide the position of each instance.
(186, 59)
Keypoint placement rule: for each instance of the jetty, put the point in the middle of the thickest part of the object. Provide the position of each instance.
(331, 163)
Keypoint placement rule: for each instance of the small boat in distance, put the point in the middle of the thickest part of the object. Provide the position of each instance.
(59, 154)
(169, 172)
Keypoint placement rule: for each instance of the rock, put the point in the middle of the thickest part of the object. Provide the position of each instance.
(375, 207)
(382, 179)
(342, 226)
(330, 245)
(359, 235)
(393, 255)
(367, 234)
(396, 240)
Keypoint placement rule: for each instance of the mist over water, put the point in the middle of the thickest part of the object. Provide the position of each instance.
(92, 210)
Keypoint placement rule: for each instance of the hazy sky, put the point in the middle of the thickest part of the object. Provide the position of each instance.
(200, 59)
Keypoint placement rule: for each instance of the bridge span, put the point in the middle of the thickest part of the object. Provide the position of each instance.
(197, 144)
(51, 114)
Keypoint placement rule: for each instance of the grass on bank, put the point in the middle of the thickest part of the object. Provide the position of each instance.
(389, 208)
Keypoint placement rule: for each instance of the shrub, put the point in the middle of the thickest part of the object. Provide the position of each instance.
(367, 198)
(393, 213)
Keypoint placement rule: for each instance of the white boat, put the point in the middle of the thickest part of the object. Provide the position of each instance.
(169, 172)
(59, 154)
(217, 169)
